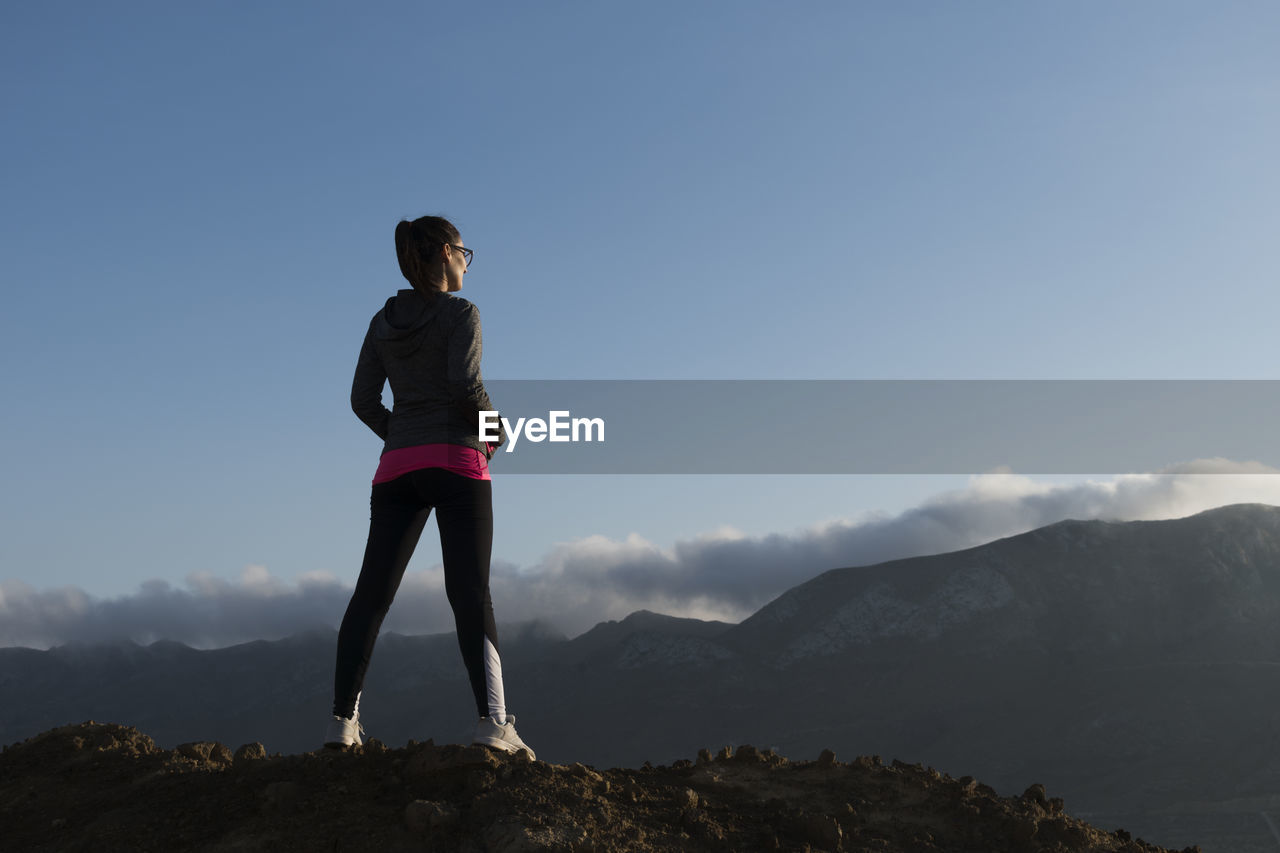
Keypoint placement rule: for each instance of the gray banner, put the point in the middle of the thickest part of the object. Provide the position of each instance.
(884, 426)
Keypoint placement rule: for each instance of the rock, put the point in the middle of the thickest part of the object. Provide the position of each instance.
(205, 751)
(196, 751)
(250, 752)
(582, 771)
(1036, 794)
(423, 816)
(631, 790)
(1024, 829)
(510, 836)
(471, 756)
(827, 758)
(773, 759)
(704, 756)
(594, 781)
(478, 781)
(422, 763)
(699, 825)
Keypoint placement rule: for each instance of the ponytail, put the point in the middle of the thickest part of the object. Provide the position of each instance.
(416, 243)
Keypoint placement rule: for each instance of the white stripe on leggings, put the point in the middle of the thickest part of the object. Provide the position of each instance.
(493, 683)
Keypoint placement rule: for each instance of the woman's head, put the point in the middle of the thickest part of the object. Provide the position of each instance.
(429, 254)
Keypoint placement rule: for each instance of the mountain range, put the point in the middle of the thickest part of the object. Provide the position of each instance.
(1132, 667)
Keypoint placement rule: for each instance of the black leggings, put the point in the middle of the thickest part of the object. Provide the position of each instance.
(398, 511)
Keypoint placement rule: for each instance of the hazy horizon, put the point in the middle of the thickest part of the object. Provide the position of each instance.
(721, 575)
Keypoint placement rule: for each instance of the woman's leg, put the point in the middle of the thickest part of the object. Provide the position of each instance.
(464, 514)
(396, 519)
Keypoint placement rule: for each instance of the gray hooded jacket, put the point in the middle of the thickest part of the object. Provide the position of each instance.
(430, 352)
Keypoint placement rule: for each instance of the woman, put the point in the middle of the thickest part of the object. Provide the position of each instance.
(426, 342)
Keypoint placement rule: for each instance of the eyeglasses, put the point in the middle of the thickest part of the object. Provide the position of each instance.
(466, 253)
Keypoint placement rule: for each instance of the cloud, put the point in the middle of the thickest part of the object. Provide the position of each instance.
(207, 611)
(722, 574)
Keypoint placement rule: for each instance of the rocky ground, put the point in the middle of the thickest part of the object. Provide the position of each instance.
(105, 787)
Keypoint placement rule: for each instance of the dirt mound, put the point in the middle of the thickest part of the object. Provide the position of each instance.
(105, 787)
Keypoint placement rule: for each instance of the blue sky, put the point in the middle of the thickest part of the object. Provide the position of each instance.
(198, 210)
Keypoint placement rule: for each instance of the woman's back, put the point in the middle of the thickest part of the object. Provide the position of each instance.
(429, 349)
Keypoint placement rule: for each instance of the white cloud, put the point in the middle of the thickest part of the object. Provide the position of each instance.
(722, 574)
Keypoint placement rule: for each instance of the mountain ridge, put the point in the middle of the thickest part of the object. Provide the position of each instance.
(915, 597)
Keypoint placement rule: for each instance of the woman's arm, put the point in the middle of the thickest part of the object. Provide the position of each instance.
(366, 389)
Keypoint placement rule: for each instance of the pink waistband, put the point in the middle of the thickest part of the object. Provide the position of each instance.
(466, 461)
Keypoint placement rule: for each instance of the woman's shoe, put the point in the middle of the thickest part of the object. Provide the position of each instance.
(503, 737)
(344, 732)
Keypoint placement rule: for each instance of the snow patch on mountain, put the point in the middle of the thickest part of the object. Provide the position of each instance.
(882, 613)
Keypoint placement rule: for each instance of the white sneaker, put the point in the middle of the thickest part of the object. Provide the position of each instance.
(503, 737)
(343, 732)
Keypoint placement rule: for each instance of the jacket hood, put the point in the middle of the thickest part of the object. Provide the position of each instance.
(403, 321)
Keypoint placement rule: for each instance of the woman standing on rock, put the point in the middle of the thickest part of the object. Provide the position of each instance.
(426, 342)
